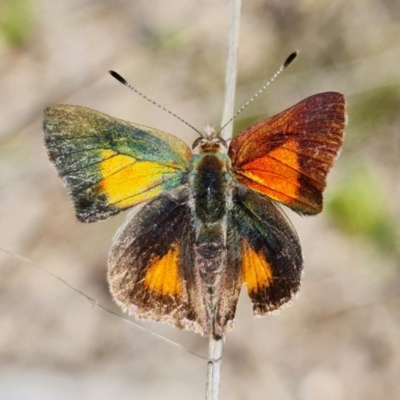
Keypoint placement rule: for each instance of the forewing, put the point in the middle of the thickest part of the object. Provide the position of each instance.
(287, 157)
(152, 264)
(108, 164)
(268, 249)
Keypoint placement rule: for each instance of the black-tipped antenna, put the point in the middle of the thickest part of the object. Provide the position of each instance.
(287, 62)
(119, 78)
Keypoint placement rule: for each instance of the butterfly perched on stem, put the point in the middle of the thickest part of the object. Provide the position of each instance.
(211, 220)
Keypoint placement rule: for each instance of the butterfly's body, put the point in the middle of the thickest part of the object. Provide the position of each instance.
(211, 200)
(210, 222)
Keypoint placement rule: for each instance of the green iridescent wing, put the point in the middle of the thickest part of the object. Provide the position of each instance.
(109, 165)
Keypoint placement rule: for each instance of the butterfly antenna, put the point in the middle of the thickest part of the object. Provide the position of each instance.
(119, 78)
(281, 68)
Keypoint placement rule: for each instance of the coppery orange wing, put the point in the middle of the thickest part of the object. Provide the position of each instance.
(288, 156)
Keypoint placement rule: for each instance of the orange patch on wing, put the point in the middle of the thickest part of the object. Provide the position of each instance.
(127, 182)
(276, 174)
(163, 277)
(257, 272)
(113, 162)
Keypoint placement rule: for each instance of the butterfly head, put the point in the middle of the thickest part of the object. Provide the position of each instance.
(210, 142)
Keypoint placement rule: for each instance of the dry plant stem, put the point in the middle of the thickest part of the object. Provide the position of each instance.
(215, 348)
(231, 68)
(215, 345)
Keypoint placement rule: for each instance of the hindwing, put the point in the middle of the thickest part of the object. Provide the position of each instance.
(152, 264)
(262, 238)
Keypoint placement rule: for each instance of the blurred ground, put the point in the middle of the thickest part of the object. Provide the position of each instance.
(341, 339)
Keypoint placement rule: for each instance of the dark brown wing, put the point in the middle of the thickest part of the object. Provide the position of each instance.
(151, 265)
(262, 240)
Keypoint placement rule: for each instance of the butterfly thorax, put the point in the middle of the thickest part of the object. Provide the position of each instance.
(210, 179)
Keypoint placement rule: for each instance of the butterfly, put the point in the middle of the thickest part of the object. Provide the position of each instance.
(206, 220)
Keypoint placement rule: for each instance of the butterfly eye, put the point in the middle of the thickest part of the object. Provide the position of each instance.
(196, 142)
(223, 142)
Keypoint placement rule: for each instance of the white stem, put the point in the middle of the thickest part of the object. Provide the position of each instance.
(215, 348)
(231, 68)
(216, 345)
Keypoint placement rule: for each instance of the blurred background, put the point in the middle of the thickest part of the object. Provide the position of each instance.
(340, 339)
